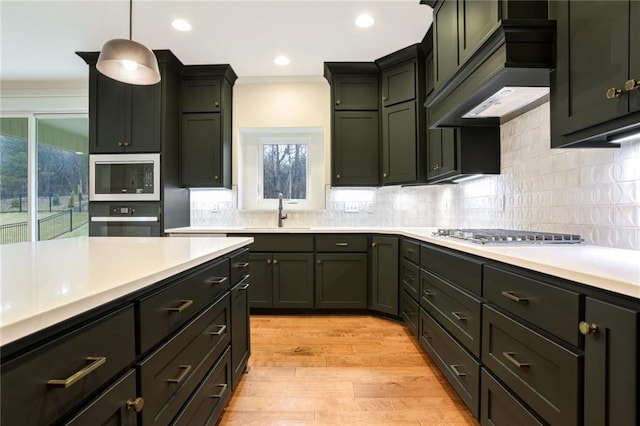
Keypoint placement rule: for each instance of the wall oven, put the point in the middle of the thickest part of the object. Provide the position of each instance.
(124, 177)
(124, 219)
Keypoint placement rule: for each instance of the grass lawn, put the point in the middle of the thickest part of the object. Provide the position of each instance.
(55, 228)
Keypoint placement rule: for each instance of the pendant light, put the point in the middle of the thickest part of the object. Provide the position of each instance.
(128, 61)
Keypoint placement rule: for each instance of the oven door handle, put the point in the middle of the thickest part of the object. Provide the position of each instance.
(125, 219)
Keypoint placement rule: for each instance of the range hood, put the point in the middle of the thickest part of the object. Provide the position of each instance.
(507, 76)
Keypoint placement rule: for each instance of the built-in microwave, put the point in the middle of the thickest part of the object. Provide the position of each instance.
(124, 177)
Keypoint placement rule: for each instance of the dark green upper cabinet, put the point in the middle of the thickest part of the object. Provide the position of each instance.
(399, 84)
(355, 123)
(481, 46)
(205, 141)
(403, 148)
(131, 118)
(595, 95)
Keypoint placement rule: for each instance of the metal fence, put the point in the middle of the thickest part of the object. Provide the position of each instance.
(48, 228)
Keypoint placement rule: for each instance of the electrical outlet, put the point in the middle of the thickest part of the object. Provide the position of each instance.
(351, 207)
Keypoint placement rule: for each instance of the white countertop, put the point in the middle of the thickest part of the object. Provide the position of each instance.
(43, 283)
(607, 268)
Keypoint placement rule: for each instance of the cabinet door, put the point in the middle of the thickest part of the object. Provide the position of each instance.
(445, 42)
(476, 20)
(341, 280)
(261, 289)
(200, 150)
(112, 105)
(239, 330)
(143, 122)
(399, 143)
(115, 406)
(355, 92)
(383, 295)
(611, 365)
(399, 84)
(449, 150)
(356, 136)
(292, 280)
(201, 95)
(634, 58)
(434, 143)
(593, 57)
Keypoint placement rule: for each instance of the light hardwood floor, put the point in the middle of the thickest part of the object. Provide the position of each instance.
(340, 370)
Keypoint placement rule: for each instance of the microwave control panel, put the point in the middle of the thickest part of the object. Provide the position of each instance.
(122, 211)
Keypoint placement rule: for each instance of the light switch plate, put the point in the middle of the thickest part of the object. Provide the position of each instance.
(351, 207)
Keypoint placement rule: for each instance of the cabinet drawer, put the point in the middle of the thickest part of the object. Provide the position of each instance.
(111, 406)
(167, 310)
(457, 311)
(170, 374)
(337, 243)
(500, 408)
(551, 308)
(239, 265)
(460, 368)
(410, 278)
(280, 243)
(409, 312)
(458, 269)
(410, 250)
(208, 401)
(541, 372)
(86, 359)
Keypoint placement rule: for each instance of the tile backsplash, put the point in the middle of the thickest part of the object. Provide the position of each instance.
(591, 192)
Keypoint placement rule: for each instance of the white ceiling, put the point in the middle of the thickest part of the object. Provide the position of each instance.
(38, 38)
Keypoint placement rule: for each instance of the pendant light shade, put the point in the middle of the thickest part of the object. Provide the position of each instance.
(128, 61)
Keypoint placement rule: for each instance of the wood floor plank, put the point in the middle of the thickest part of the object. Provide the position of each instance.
(338, 369)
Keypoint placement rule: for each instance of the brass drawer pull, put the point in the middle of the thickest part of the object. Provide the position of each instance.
(613, 93)
(217, 280)
(185, 370)
(510, 357)
(184, 304)
(96, 361)
(219, 331)
(509, 295)
(223, 388)
(342, 244)
(243, 287)
(632, 85)
(459, 316)
(587, 328)
(241, 265)
(374, 244)
(457, 372)
(135, 404)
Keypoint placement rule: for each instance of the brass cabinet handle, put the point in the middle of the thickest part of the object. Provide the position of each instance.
(338, 102)
(217, 280)
(95, 362)
(384, 175)
(459, 316)
(221, 329)
(632, 85)
(457, 372)
(374, 244)
(119, 143)
(384, 98)
(185, 370)
(240, 265)
(509, 295)
(342, 244)
(184, 304)
(436, 166)
(319, 261)
(135, 404)
(587, 328)
(338, 176)
(126, 143)
(223, 388)
(613, 93)
(275, 261)
(215, 178)
(510, 357)
(217, 104)
(268, 261)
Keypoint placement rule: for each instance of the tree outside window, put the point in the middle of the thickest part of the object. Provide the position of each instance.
(285, 171)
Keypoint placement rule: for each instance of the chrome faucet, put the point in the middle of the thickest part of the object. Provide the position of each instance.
(280, 215)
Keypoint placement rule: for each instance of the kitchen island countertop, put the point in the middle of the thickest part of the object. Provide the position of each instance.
(606, 268)
(46, 282)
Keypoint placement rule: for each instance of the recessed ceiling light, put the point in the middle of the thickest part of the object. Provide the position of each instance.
(281, 60)
(364, 21)
(181, 25)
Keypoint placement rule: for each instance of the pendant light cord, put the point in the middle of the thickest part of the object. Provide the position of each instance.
(130, 17)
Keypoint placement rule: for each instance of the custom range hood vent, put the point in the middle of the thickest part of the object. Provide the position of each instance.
(506, 75)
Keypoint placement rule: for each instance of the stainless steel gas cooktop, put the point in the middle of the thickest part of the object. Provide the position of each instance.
(509, 236)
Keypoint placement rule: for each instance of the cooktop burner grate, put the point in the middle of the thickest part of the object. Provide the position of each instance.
(509, 236)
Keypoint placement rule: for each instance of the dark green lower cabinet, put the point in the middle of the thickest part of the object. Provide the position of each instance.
(409, 312)
(383, 294)
(261, 289)
(240, 333)
(292, 280)
(500, 408)
(611, 364)
(112, 406)
(341, 280)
